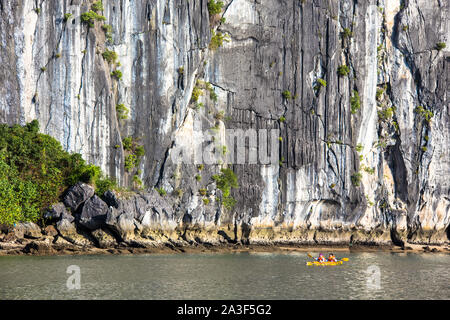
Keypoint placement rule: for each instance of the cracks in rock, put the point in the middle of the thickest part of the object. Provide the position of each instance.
(338, 173)
(161, 169)
(226, 8)
(222, 88)
(235, 39)
(96, 103)
(79, 93)
(58, 42)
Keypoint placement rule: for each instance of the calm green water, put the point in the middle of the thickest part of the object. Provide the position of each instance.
(227, 276)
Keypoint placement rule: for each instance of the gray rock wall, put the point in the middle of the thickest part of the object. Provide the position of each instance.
(377, 175)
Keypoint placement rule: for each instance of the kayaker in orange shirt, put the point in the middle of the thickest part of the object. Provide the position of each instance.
(332, 258)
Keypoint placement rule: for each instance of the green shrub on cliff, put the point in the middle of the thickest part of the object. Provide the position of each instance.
(225, 181)
(136, 151)
(217, 40)
(131, 161)
(215, 7)
(122, 111)
(117, 74)
(90, 17)
(321, 82)
(108, 31)
(161, 191)
(424, 113)
(196, 93)
(356, 179)
(286, 94)
(127, 143)
(97, 6)
(440, 46)
(343, 70)
(67, 16)
(355, 102)
(346, 33)
(35, 170)
(110, 56)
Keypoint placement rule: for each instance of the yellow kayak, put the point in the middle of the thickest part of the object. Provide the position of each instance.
(326, 263)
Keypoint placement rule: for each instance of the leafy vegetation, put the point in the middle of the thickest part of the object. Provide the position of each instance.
(110, 56)
(131, 161)
(117, 74)
(321, 82)
(212, 93)
(196, 92)
(127, 143)
(90, 17)
(97, 6)
(161, 191)
(219, 115)
(35, 171)
(343, 70)
(217, 40)
(440, 46)
(215, 7)
(225, 181)
(355, 102)
(67, 16)
(137, 181)
(347, 33)
(135, 150)
(178, 193)
(426, 114)
(139, 151)
(359, 147)
(286, 94)
(386, 113)
(369, 170)
(379, 94)
(122, 111)
(108, 31)
(356, 179)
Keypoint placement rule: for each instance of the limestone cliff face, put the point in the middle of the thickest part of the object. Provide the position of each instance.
(374, 173)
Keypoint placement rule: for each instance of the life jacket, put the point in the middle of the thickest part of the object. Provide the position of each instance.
(332, 258)
(321, 259)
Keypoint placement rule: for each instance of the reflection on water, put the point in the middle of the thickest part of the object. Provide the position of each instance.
(226, 276)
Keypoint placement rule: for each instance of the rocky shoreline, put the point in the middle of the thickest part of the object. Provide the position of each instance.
(84, 223)
(44, 248)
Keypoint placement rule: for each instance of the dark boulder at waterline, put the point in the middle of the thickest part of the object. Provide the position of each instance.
(77, 195)
(93, 214)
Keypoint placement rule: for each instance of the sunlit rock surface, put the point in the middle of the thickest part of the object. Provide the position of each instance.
(379, 175)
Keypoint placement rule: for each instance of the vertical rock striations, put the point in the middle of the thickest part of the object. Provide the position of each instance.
(355, 90)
